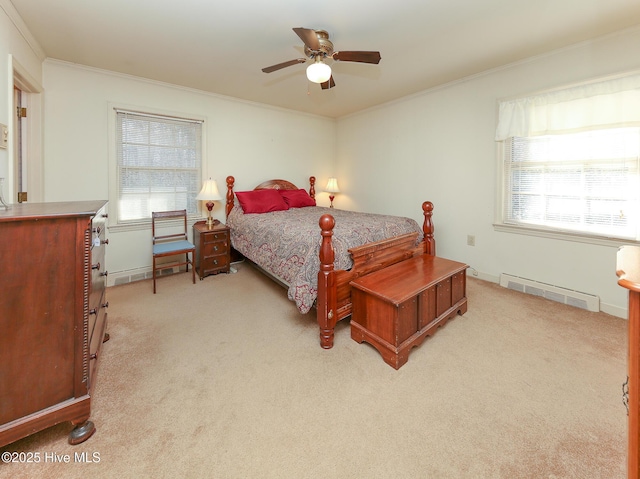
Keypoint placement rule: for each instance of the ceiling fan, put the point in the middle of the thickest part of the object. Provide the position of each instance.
(318, 47)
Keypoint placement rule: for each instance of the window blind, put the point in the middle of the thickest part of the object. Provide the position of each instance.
(158, 164)
(586, 182)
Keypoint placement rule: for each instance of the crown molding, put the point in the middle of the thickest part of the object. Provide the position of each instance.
(18, 22)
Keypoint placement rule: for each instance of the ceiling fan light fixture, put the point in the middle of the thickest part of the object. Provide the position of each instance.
(318, 71)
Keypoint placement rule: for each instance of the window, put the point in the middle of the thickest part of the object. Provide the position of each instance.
(585, 182)
(571, 161)
(158, 164)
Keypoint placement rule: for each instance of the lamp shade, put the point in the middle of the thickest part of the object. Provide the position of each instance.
(332, 186)
(318, 72)
(209, 191)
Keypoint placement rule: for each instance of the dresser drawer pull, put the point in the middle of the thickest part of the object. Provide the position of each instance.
(105, 305)
(105, 274)
(94, 356)
(95, 266)
(93, 311)
(97, 230)
(104, 241)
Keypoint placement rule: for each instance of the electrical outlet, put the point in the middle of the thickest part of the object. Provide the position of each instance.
(471, 240)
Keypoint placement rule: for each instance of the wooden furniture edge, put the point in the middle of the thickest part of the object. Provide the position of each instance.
(266, 185)
(334, 291)
(628, 272)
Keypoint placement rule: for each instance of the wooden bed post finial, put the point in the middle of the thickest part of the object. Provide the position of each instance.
(312, 186)
(427, 229)
(230, 182)
(327, 300)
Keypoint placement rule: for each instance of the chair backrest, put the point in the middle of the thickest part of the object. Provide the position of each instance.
(158, 217)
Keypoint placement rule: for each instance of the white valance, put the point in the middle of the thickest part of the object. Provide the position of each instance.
(611, 103)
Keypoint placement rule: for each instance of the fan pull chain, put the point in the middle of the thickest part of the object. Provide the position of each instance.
(625, 394)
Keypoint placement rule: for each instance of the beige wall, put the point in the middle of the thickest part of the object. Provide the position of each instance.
(252, 142)
(438, 146)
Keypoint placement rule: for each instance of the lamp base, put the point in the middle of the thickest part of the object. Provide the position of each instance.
(331, 197)
(212, 222)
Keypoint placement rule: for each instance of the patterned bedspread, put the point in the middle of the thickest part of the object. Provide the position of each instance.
(287, 243)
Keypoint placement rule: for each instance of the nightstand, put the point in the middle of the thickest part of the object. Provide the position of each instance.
(213, 248)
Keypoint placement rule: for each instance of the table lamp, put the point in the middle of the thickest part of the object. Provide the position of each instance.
(209, 193)
(332, 187)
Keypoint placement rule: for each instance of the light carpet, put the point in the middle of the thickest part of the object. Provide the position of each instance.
(226, 379)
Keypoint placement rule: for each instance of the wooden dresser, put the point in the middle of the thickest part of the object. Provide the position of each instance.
(52, 315)
(628, 270)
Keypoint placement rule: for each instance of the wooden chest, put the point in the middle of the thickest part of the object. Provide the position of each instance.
(395, 308)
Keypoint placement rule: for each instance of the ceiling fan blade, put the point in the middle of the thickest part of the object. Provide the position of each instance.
(362, 57)
(309, 38)
(328, 84)
(279, 66)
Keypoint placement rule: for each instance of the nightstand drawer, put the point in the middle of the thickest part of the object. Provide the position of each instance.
(214, 236)
(216, 247)
(217, 262)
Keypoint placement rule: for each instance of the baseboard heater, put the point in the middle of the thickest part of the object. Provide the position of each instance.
(586, 301)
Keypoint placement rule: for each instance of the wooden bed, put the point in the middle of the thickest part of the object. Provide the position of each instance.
(333, 302)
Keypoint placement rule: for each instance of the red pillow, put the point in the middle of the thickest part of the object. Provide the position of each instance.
(297, 198)
(261, 201)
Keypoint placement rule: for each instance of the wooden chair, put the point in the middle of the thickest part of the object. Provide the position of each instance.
(172, 244)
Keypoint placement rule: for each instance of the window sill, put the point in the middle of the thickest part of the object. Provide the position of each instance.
(146, 225)
(564, 235)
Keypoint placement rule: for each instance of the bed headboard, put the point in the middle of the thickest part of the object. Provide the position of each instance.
(266, 185)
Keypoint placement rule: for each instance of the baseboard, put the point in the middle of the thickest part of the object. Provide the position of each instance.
(559, 294)
(139, 274)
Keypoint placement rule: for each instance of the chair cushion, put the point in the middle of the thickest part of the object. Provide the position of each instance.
(162, 248)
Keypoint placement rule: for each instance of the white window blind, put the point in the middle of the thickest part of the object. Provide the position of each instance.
(571, 161)
(158, 164)
(585, 182)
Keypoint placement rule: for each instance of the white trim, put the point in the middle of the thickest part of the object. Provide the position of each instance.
(491, 71)
(182, 88)
(22, 28)
(564, 235)
(19, 77)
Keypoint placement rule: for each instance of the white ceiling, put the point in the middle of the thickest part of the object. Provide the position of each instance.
(221, 47)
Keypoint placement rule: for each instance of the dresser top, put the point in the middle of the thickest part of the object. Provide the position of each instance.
(628, 267)
(32, 211)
